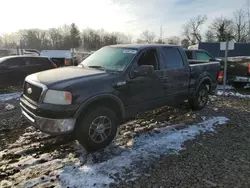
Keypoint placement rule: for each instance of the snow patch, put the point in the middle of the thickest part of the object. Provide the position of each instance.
(145, 149)
(9, 96)
(233, 94)
(221, 87)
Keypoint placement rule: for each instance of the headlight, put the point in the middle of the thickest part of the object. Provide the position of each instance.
(58, 97)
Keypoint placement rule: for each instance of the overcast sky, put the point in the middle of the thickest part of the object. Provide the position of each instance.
(128, 16)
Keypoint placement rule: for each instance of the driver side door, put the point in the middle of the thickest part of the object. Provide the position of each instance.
(146, 92)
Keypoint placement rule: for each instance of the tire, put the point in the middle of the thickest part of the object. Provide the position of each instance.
(92, 130)
(239, 85)
(199, 101)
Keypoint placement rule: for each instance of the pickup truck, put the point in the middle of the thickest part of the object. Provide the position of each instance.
(112, 85)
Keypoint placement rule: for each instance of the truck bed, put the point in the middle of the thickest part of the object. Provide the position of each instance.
(208, 68)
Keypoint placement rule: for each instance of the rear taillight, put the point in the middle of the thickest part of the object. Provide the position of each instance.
(66, 62)
(220, 76)
(248, 68)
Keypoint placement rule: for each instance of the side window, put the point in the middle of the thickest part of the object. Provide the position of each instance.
(149, 57)
(173, 58)
(15, 63)
(28, 62)
(46, 62)
(202, 56)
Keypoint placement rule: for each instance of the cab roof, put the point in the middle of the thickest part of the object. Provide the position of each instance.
(140, 46)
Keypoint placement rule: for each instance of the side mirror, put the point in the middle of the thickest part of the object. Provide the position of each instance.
(143, 70)
(212, 59)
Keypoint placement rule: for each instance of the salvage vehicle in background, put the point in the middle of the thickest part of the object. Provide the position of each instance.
(60, 57)
(111, 85)
(14, 69)
(238, 71)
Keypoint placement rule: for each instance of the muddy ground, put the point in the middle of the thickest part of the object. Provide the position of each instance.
(30, 158)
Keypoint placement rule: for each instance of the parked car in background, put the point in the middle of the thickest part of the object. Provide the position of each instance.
(238, 72)
(14, 69)
(90, 100)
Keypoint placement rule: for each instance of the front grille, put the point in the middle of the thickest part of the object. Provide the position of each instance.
(35, 94)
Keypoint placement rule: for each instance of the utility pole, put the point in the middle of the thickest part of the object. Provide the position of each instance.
(225, 68)
(161, 33)
(248, 15)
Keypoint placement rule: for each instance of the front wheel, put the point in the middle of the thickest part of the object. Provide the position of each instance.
(199, 101)
(96, 129)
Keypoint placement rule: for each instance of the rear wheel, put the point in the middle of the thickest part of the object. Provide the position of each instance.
(97, 128)
(199, 101)
(239, 85)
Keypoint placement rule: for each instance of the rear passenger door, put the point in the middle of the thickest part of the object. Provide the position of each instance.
(34, 65)
(176, 74)
(13, 72)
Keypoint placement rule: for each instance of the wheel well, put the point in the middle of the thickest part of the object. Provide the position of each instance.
(105, 102)
(207, 82)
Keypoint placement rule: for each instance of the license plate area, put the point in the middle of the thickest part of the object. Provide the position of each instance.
(241, 79)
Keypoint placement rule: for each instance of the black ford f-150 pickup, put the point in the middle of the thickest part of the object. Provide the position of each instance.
(111, 85)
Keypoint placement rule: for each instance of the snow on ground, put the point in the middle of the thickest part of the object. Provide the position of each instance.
(123, 163)
(9, 96)
(233, 94)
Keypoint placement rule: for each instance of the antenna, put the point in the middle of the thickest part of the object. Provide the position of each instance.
(161, 33)
(248, 14)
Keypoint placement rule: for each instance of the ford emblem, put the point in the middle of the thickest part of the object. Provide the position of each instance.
(29, 90)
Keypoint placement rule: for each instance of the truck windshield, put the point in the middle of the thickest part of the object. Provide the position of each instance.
(110, 58)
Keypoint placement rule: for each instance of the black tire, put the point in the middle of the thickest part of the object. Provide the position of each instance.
(199, 101)
(84, 128)
(239, 85)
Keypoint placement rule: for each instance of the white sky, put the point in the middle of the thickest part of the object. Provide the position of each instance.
(128, 16)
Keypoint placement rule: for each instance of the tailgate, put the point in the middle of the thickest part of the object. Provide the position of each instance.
(239, 68)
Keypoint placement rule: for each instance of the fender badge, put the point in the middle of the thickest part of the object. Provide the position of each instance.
(121, 83)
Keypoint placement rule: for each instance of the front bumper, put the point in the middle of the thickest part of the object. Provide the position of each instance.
(48, 125)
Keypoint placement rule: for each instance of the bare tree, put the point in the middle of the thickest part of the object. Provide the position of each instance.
(185, 43)
(148, 36)
(209, 36)
(222, 29)
(192, 29)
(173, 40)
(240, 26)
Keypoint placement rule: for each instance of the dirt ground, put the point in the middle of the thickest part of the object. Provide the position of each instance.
(29, 158)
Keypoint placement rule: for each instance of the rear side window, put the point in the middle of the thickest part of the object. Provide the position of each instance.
(14, 62)
(202, 56)
(173, 58)
(39, 62)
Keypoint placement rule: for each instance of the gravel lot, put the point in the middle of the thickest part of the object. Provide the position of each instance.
(29, 158)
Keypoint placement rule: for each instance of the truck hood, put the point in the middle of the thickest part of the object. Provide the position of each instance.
(66, 75)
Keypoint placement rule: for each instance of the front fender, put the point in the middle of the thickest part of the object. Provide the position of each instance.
(95, 98)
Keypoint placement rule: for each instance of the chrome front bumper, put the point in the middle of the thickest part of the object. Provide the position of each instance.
(47, 125)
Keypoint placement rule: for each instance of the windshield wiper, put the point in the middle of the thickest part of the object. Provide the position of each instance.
(97, 67)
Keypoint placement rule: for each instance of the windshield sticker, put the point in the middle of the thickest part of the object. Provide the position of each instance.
(129, 51)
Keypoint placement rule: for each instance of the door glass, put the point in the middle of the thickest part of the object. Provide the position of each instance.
(15, 62)
(173, 58)
(202, 56)
(149, 57)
